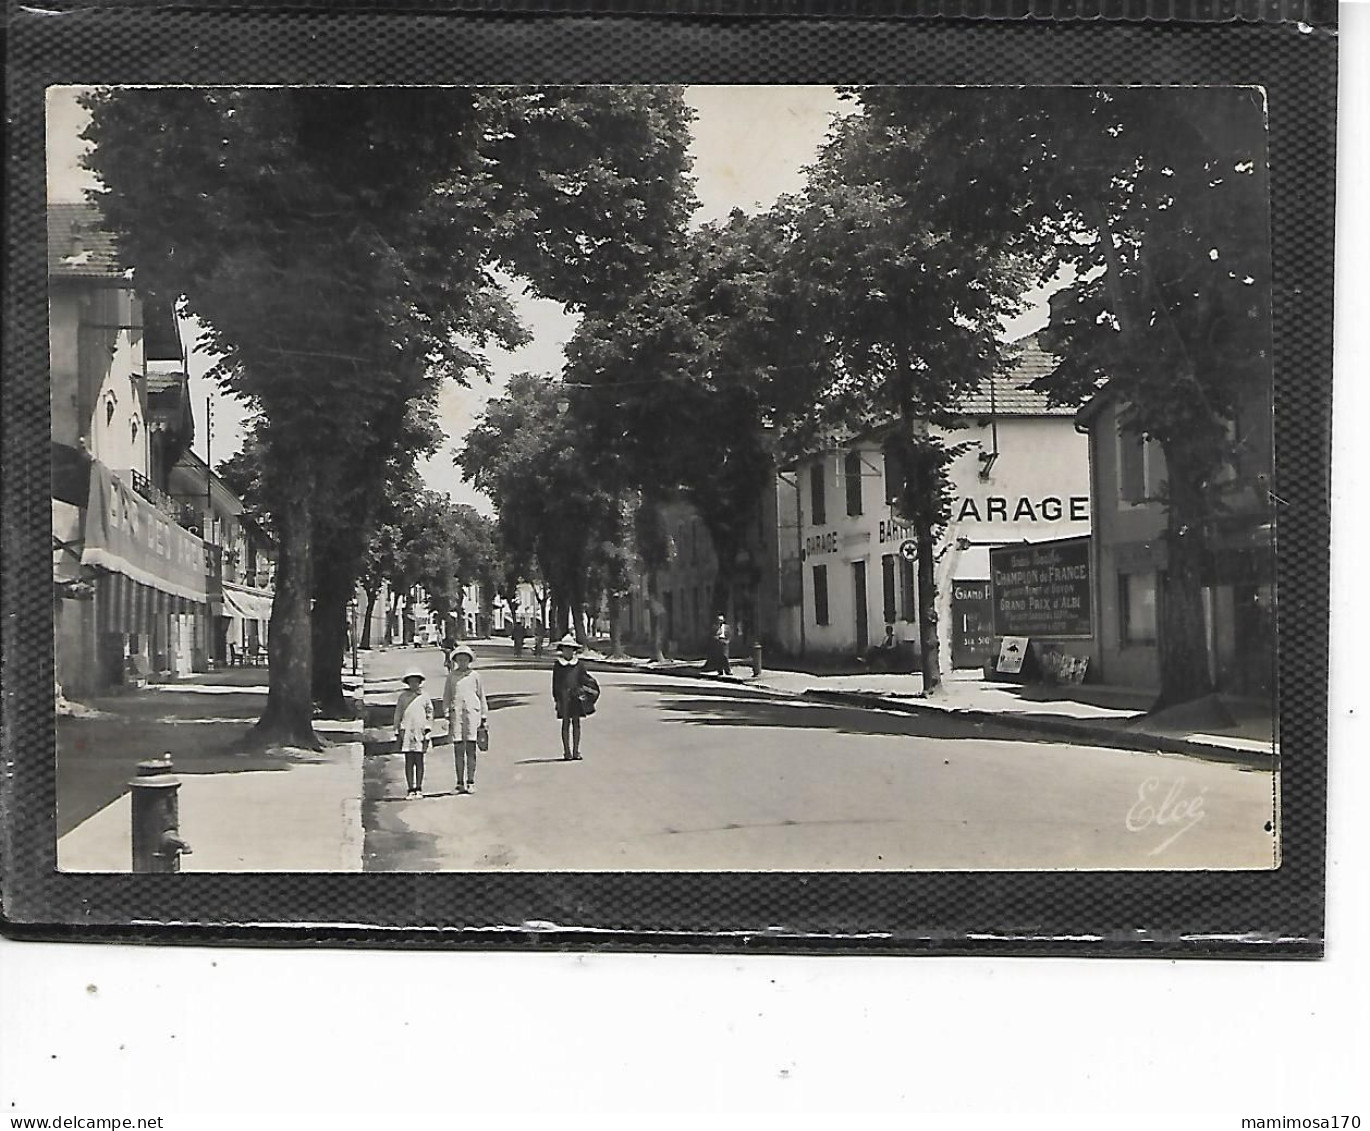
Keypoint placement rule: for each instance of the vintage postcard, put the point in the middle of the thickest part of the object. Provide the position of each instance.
(662, 478)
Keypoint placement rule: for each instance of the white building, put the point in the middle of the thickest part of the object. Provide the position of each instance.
(1024, 478)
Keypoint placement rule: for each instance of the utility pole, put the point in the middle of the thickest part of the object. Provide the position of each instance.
(209, 462)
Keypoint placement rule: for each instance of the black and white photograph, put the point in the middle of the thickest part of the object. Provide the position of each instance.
(662, 478)
(692, 557)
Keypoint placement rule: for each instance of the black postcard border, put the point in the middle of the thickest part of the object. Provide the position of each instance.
(1250, 914)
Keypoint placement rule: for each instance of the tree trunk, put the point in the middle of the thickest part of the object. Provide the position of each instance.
(1184, 658)
(615, 626)
(927, 610)
(577, 611)
(372, 595)
(655, 618)
(329, 641)
(288, 717)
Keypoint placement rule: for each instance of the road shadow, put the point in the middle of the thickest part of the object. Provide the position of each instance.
(727, 707)
(388, 844)
(507, 699)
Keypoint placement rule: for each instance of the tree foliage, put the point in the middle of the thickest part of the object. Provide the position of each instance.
(554, 506)
(899, 299)
(338, 247)
(682, 383)
(1156, 201)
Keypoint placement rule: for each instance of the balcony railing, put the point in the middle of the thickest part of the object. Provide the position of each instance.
(178, 512)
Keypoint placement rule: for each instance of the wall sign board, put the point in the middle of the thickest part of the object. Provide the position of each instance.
(1043, 590)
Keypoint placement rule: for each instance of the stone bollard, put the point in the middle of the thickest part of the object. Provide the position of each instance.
(756, 660)
(157, 843)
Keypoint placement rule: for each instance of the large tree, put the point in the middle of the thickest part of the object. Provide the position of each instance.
(900, 300)
(681, 384)
(1156, 201)
(345, 520)
(527, 455)
(337, 245)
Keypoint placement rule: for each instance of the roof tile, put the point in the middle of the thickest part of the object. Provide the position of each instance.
(1010, 394)
(79, 246)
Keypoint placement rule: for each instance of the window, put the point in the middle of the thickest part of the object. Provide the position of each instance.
(1141, 466)
(109, 410)
(908, 589)
(851, 470)
(820, 594)
(894, 476)
(1137, 608)
(819, 510)
(133, 429)
(887, 568)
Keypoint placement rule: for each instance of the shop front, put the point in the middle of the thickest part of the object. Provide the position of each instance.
(151, 584)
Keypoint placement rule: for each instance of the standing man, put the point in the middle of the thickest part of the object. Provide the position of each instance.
(516, 634)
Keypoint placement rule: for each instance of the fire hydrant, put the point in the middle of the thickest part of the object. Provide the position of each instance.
(157, 843)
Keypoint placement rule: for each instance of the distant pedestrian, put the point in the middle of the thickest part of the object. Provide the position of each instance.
(413, 728)
(516, 634)
(468, 715)
(716, 657)
(575, 693)
(539, 635)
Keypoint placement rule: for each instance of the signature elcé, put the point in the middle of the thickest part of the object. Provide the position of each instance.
(1171, 810)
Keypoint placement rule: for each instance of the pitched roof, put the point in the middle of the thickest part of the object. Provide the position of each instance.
(1009, 395)
(79, 246)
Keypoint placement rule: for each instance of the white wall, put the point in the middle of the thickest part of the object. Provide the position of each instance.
(1037, 489)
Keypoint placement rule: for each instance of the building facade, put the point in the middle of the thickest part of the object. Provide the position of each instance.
(126, 569)
(1022, 477)
(1128, 486)
(242, 564)
(681, 597)
(136, 583)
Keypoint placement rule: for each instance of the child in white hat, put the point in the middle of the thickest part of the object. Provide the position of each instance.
(468, 714)
(413, 726)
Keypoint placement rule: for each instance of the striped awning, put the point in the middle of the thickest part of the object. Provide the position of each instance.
(128, 606)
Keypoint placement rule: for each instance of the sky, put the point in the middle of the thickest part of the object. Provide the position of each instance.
(750, 145)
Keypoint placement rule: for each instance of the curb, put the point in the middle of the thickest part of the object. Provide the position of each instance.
(1059, 727)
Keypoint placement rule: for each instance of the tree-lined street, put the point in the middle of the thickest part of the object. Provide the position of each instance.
(751, 437)
(706, 774)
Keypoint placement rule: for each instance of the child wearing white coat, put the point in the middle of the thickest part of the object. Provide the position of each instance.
(413, 725)
(468, 714)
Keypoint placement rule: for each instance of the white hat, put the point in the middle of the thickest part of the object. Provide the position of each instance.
(463, 650)
(413, 673)
(568, 641)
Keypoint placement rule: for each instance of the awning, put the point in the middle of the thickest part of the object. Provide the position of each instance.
(245, 603)
(125, 605)
(127, 535)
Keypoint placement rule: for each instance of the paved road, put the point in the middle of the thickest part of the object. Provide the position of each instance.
(702, 775)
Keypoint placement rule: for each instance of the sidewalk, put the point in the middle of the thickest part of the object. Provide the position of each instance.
(280, 810)
(1219, 728)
